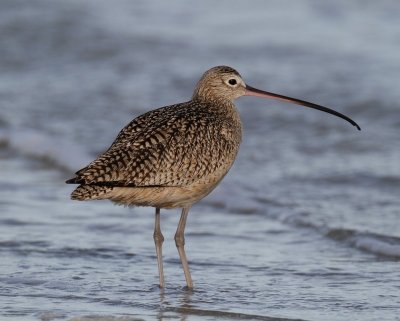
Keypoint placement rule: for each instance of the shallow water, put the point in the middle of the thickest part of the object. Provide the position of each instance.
(305, 226)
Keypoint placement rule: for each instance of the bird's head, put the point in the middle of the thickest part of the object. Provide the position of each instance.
(225, 83)
(221, 82)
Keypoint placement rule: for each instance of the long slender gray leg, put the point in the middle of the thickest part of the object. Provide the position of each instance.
(180, 243)
(158, 240)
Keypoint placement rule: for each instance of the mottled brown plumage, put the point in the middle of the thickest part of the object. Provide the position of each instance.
(175, 155)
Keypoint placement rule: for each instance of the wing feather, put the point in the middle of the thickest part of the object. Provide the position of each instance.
(170, 146)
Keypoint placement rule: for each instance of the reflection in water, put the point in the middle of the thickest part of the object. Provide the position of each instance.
(165, 310)
(183, 310)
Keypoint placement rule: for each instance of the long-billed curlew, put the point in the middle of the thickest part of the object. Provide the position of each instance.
(174, 156)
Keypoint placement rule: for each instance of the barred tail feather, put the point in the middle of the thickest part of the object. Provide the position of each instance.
(91, 192)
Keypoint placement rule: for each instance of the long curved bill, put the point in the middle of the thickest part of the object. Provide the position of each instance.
(250, 91)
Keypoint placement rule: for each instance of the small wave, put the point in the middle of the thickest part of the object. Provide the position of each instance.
(184, 312)
(381, 245)
(42, 247)
(18, 280)
(14, 222)
(225, 314)
(104, 253)
(19, 244)
(54, 150)
(363, 179)
(104, 318)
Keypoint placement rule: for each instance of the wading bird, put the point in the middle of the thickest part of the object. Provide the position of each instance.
(174, 156)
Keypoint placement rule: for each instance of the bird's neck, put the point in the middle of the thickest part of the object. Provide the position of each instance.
(216, 103)
(208, 93)
(224, 108)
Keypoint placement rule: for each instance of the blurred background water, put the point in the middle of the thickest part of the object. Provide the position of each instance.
(305, 226)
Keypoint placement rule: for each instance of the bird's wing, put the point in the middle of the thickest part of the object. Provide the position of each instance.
(166, 147)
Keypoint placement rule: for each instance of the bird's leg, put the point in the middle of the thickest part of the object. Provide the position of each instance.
(158, 240)
(180, 243)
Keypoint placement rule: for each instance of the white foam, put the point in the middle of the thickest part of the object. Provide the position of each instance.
(373, 244)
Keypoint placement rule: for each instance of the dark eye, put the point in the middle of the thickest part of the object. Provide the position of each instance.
(232, 82)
